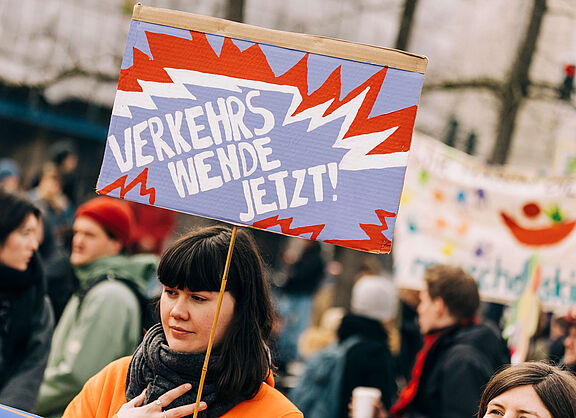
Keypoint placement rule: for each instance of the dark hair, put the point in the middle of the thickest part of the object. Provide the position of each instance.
(196, 262)
(455, 287)
(14, 208)
(62, 149)
(555, 387)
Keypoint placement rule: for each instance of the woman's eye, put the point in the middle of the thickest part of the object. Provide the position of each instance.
(198, 298)
(170, 292)
(495, 412)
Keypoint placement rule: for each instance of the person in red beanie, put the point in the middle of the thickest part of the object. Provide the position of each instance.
(102, 228)
(102, 320)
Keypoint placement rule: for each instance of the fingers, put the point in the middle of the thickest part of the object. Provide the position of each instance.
(172, 394)
(138, 400)
(183, 411)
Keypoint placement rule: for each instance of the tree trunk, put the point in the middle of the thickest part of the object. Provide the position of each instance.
(235, 10)
(516, 88)
(406, 24)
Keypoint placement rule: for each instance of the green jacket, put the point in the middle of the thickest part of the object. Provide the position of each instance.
(106, 328)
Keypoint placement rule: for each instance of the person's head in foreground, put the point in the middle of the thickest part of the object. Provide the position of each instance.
(531, 390)
(191, 274)
(19, 230)
(451, 296)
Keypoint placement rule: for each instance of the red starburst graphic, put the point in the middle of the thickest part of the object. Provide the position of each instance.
(251, 64)
(377, 242)
(140, 179)
(284, 224)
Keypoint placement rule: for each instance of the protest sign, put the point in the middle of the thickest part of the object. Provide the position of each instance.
(8, 412)
(296, 134)
(513, 232)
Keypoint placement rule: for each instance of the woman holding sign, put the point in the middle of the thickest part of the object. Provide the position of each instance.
(162, 377)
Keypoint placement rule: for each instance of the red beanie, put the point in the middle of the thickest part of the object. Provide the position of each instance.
(114, 215)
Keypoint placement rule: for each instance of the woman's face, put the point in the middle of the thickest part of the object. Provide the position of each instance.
(187, 318)
(520, 402)
(570, 346)
(21, 244)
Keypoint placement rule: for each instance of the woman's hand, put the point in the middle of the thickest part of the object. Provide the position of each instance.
(136, 409)
(379, 410)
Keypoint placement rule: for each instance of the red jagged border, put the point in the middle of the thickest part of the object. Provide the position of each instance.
(120, 183)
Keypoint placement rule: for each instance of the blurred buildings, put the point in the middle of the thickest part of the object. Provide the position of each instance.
(497, 83)
(495, 69)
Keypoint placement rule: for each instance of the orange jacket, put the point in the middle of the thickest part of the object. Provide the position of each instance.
(104, 394)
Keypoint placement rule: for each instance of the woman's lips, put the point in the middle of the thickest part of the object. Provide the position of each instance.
(179, 332)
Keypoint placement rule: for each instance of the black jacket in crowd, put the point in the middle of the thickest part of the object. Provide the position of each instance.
(26, 325)
(305, 275)
(368, 363)
(456, 370)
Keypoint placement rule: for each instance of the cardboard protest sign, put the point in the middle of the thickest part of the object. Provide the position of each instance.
(513, 232)
(296, 134)
(8, 412)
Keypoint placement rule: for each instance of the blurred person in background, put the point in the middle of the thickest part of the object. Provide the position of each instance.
(63, 155)
(459, 354)
(153, 226)
(410, 337)
(297, 282)
(558, 330)
(9, 175)
(373, 308)
(364, 356)
(26, 319)
(102, 320)
(568, 355)
(315, 338)
(58, 211)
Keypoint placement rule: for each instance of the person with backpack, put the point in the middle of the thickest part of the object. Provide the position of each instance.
(162, 378)
(361, 357)
(102, 320)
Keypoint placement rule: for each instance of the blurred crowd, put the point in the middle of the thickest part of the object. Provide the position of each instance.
(78, 282)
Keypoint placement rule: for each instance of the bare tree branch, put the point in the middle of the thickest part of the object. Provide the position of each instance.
(488, 84)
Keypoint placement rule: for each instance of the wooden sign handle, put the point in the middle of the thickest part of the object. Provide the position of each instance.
(216, 315)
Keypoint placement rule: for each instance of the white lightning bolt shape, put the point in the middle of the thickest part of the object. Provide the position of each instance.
(143, 99)
(359, 146)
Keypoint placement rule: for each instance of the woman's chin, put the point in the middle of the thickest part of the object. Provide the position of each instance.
(182, 346)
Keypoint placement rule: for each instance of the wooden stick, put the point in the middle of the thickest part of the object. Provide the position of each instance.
(216, 315)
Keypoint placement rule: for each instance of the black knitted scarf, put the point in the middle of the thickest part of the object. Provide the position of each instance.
(157, 368)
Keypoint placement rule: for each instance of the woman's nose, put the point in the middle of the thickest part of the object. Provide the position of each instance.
(34, 243)
(179, 309)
